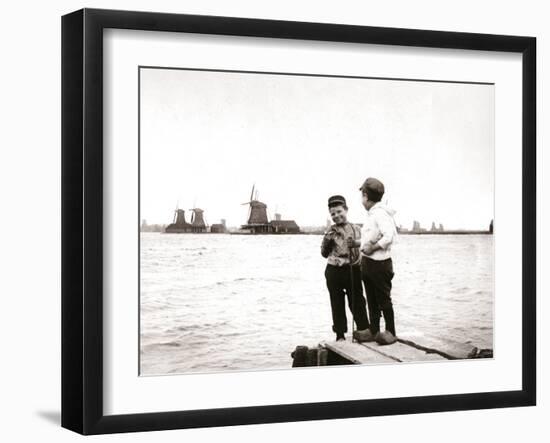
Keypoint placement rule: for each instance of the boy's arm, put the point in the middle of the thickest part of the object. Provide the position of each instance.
(326, 245)
(355, 242)
(387, 230)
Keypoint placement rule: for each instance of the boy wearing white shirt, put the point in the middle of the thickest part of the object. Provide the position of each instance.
(377, 236)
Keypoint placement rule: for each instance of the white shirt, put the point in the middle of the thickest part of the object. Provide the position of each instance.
(379, 227)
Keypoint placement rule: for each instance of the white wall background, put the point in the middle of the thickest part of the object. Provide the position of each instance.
(30, 218)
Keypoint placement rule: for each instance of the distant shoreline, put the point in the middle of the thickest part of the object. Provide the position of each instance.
(322, 233)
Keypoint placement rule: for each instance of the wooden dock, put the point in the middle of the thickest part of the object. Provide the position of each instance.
(408, 348)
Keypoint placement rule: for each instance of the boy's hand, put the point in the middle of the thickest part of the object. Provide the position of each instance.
(369, 248)
(353, 243)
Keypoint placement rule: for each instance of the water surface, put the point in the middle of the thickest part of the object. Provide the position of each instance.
(220, 302)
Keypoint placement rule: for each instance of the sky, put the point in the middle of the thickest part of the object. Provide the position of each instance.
(207, 137)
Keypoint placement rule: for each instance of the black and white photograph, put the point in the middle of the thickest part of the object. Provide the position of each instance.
(292, 220)
(274, 221)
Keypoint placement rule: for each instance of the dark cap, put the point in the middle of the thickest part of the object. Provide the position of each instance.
(336, 200)
(373, 184)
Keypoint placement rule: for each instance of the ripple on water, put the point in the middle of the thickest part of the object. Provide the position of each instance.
(246, 302)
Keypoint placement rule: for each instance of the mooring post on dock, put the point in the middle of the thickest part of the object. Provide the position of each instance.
(311, 357)
(299, 357)
(322, 356)
(304, 356)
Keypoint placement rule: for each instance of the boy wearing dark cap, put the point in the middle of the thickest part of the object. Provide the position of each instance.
(377, 236)
(341, 280)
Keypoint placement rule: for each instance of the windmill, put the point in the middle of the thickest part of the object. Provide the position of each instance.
(178, 225)
(197, 220)
(179, 216)
(257, 212)
(197, 217)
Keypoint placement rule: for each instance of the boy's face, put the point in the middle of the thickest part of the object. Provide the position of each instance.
(367, 204)
(338, 214)
(365, 200)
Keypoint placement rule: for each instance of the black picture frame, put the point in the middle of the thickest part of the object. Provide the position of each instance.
(82, 220)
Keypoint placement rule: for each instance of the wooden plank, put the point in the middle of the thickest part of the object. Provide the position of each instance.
(410, 347)
(449, 349)
(356, 353)
(403, 352)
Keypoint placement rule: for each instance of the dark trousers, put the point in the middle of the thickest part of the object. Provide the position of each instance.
(339, 284)
(377, 276)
